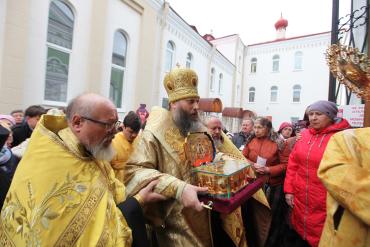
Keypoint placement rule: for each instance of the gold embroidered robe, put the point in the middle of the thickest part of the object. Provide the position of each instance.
(123, 150)
(61, 196)
(160, 154)
(345, 173)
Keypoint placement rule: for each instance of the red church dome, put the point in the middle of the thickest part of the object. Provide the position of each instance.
(281, 23)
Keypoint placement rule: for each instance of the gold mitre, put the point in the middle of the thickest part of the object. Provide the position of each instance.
(181, 84)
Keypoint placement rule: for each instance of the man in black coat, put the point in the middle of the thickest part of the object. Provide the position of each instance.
(240, 138)
(24, 130)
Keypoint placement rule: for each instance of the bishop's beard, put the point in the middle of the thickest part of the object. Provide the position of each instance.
(185, 123)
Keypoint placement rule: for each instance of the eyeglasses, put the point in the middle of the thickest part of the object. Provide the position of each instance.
(107, 126)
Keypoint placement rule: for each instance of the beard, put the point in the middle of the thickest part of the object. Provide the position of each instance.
(186, 122)
(218, 142)
(100, 152)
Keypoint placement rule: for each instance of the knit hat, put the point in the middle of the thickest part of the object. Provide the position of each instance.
(9, 118)
(326, 107)
(284, 125)
(4, 133)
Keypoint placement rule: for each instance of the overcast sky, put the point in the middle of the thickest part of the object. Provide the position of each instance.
(254, 20)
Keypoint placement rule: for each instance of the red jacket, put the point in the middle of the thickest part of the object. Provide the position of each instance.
(267, 149)
(309, 211)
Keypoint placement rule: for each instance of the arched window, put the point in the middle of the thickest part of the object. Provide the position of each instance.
(220, 78)
(118, 68)
(298, 60)
(274, 94)
(254, 65)
(297, 93)
(212, 80)
(275, 63)
(59, 48)
(189, 60)
(170, 52)
(252, 94)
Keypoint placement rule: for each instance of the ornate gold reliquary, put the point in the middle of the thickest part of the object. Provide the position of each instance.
(223, 178)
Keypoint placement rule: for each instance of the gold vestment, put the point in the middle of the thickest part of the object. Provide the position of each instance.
(61, 196)
(123, 150)
(160, 154)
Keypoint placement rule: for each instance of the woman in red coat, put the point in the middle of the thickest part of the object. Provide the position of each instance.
(304, 192)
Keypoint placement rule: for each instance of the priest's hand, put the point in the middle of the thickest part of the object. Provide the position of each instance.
(147, 195)
(189, 197)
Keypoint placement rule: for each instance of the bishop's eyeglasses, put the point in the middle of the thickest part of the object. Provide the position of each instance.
(107, 126)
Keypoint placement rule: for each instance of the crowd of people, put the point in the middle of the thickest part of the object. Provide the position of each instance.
(79, 176)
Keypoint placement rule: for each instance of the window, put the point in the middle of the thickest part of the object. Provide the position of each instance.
(189, 59)
(254, 65)
(252, 94)
(275, 63)
(220, 77)
(59, 48)
(296, 93)
(170, 51)
(212, 80)
(298, 60)
(118, 68)
(274, 94)
(294, 119)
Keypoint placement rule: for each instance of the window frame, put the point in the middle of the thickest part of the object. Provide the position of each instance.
(298, 60)
(253, 91)
(275, 63)
(220, 83)
(189, 60)
(212, 79)
(253, 68)
(166, 69)
(121, 68)
(59, 48)
(274, 89)
(296, 88)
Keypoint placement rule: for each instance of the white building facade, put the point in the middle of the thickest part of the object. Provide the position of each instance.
(284, 76)
(53, 50)
(185, 47)
(233, 48)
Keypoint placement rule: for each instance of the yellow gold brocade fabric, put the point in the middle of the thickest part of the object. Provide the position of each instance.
(345, 173)
(160, 154)
(60, 196)
(123, 150)
(233, 223)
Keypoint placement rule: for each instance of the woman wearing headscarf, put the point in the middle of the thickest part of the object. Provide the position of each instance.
(304, 192)
(263, 148)
(285, 130)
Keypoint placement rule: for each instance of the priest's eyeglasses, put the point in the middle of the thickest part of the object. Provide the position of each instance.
(107, 126)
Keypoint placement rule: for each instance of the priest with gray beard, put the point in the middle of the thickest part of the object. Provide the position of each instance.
(214, 126)
(180, 220)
